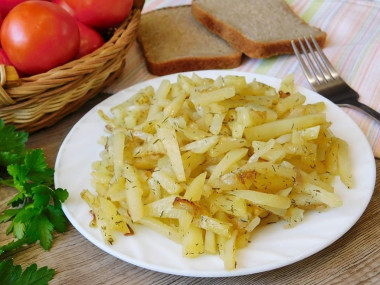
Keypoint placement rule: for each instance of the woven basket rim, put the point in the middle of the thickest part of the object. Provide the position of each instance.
(65, 88)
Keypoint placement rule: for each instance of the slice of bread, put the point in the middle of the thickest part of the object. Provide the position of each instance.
(173, 41)
(258, 28)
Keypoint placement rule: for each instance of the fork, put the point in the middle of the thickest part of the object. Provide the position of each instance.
(325, 80)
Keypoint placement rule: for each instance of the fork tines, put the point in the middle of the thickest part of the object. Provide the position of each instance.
(319, 69)
(324, 79)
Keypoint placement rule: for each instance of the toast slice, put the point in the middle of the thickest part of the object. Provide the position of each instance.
(257, 28)
(173, 41)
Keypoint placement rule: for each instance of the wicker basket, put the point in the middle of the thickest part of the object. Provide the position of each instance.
(41, 100)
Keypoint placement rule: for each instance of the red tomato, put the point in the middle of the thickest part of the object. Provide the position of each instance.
(64, 5)
(90, 40)
(1, 22)
(4, 58)
(38, 36)
(7, 5)
(101, 13)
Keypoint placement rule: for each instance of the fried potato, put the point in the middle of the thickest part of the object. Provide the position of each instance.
(206, 163)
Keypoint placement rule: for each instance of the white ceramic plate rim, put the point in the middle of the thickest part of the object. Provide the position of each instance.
(271, 248)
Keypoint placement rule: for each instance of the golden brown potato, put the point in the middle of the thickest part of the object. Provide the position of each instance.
(207, 162)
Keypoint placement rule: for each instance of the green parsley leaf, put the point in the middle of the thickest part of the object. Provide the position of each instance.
(60, 196)
(57, 218)
(45, 229)
(41, 196)
(8, 272)
(8, 214)
(15, 244)
(18, 199)
(12, 144)
(12, 274)
(32, 172)
(37, 206)
(23, 220)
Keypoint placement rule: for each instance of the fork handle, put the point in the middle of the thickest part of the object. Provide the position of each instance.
(362, 107)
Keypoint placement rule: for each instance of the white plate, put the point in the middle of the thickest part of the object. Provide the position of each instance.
(271, 248)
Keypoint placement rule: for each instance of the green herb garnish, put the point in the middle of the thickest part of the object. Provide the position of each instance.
(35, 211)
(12, 274)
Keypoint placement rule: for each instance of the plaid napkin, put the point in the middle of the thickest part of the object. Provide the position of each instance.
(353, 47)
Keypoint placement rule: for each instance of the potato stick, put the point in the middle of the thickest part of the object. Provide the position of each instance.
(175, 106)
(159, 96)
(168, 137)
(310, 133)
(230, 252)
(217, 123)
(210, 242)
(113, 217)
(117, 145)
(161, 228)
(276, 211)
(192, 242)
(331, 158)
(227, 161)
(205, 98)
(237, 129)
(306, 177)
(260, 198)
(280, 127)
(195, 190)
(226, 144)
(288, 103)
(194, 133)
(231, 204)
(133, 193)
(259, 151)
(321, 195)
(214, 225)
(156, 208)
(94, 203)
(191, 161)
(344, 164)
(167, 182)
(285, 192)
(230, 181)
(253, 224)
(269, 167)
(294, 216)
(201, 146)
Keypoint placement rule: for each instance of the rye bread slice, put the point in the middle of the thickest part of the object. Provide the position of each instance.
(173, 41)
(258, 28)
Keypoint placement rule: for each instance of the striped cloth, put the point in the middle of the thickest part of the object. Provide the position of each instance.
(353, 47)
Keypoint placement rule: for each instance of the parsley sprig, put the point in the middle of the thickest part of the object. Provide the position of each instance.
(12, 144)
(35, 211)
(12, 274)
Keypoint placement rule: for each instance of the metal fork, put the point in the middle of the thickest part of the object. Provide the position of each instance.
(325, 79)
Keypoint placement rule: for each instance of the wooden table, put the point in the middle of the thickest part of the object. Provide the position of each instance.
(353, 259)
